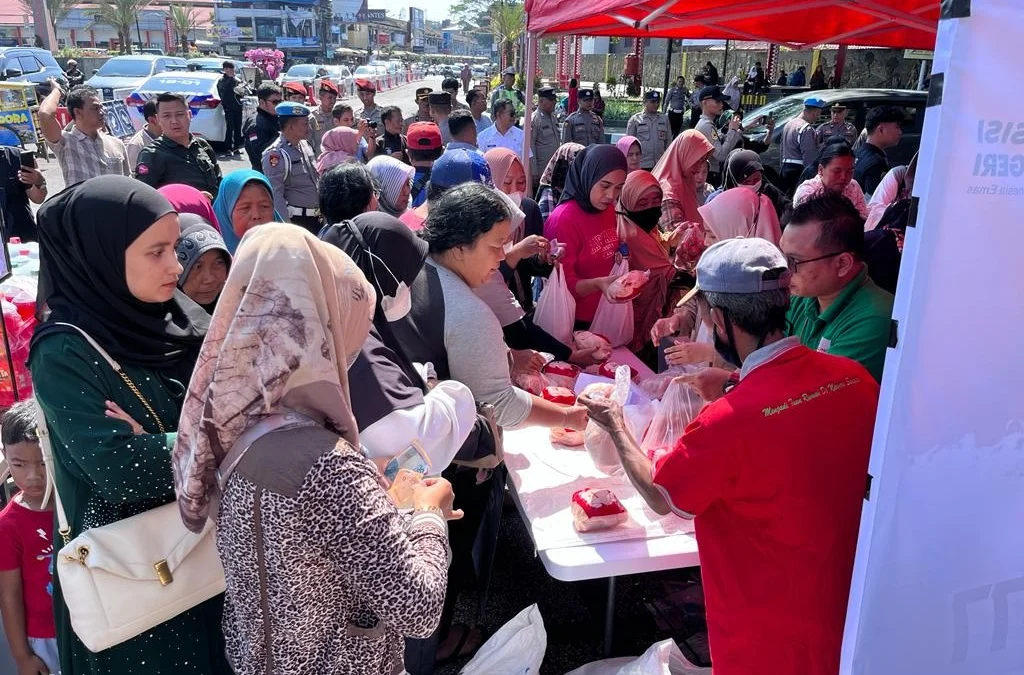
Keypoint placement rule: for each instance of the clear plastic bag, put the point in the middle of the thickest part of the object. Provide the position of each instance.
(556, 308)
(597, 441)
(679, 406)
(614, 320)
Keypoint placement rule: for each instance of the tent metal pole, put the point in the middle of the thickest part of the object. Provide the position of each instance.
(531, 58)
(668, 68)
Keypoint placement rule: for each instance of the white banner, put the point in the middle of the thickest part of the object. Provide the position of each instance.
(938, 586)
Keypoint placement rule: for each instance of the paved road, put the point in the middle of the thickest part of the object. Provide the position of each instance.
(402, 96)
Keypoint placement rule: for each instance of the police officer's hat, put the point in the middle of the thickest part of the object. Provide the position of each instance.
(330, 87)
(652, 95)
(547, 92)
(838, 107)
(814, 102)
(423, 92)
(291, 109)
(586, 94)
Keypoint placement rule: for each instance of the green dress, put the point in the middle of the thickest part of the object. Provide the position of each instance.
(105, 473)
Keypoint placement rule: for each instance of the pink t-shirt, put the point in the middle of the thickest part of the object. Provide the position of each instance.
(412, 220)
(591, 241)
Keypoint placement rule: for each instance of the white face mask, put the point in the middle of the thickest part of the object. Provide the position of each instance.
(517, 197)
(399, 305)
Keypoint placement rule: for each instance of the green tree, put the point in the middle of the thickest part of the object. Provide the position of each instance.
(184, 19)
(58, 10)
(508, 23)
(121, 16)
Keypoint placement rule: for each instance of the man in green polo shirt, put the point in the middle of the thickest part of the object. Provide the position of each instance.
(835, 306)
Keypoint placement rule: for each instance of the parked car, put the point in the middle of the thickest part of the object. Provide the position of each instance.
(857, 102)
(129, 72)
(214, 64)
(302, 72)
(342, 76)
(200, 91)
(29, 64)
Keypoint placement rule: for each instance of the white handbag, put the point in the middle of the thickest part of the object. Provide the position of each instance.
(124, 578)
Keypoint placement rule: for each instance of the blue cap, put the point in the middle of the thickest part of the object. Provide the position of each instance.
(814, 102)
(290, 109)
(459, 166)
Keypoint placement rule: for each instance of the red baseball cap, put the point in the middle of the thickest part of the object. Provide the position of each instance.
(329, 86)
(365, 85)
(423, 136)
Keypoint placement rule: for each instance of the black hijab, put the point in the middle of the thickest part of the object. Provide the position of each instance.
(83, 235)
(387, 379)
(591, 165)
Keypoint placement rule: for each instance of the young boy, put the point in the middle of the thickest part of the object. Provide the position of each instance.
(26, 549)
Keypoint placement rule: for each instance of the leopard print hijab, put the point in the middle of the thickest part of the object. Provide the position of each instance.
(290, 321)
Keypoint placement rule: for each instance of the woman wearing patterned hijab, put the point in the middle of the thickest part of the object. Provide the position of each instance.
(300, 508)
(395, 179)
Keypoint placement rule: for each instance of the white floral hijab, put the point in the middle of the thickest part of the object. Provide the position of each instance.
(291, 319)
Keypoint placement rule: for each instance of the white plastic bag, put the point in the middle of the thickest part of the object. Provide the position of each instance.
(556, 308)
(661, 658)
(679, 406)
(614, 320)
(597, 441)
(516, 649)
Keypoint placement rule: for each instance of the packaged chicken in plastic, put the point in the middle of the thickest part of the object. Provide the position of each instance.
(596, 509)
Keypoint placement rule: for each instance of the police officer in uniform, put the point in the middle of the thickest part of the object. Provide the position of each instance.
(422, 109)
(290, 165)
(544, 133)
(799, 144)
(321, 120)
(366, 91)
(652, 129)
(838, 126)
(264, 127)
(584, 126)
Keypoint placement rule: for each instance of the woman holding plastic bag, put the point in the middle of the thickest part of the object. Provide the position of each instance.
(685, 157)
(584, 223)
(638, 215)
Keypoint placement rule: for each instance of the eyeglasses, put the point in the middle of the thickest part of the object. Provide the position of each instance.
(793, 263)
(274, 101)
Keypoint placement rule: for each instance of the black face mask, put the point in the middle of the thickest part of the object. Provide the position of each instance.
(727, 351)
(646, 219)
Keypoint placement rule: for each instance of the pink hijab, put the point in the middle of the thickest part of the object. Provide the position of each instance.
(338, 145)
(187, 199)
(625, 143)
(676, 167)
(741, 212)
(500, 160)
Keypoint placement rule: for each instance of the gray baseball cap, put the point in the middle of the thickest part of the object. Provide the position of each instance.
(741, 266)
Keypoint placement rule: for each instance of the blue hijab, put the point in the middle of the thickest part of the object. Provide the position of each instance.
(227, 195)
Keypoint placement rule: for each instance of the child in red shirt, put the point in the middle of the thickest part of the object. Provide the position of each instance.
(26, 549)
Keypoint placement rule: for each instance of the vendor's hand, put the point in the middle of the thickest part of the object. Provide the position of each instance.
(115, 412)
(708, 383)
(770, 125)
(665, 327)
(584, 357)
(575, 418)
(685, 353)
(605, 412)
(435, 493)
(31, 665)
(30, 176)
(526, 361)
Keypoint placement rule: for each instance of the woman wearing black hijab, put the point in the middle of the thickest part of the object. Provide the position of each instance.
(390, 399)
(109, 268)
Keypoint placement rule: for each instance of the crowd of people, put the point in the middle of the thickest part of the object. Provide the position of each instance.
(283, 333)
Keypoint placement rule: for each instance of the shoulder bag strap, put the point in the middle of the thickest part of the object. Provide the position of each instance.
(248, 437)
(43, 431)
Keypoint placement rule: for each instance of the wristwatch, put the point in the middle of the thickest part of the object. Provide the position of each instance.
(734, 379)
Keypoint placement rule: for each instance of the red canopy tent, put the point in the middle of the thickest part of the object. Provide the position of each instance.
(798, 24)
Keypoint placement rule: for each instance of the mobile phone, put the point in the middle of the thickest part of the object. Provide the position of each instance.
(664, 343)
(28, 158)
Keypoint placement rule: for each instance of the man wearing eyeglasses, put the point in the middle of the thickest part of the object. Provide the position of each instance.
(265, 127)
(836, 308)
(773, 473)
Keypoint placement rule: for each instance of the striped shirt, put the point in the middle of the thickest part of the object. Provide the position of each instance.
(82, 157)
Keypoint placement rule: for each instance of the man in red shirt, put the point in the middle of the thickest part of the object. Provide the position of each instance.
(773, 472)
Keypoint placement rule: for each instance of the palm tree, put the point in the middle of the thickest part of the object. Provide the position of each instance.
(508, 22)
(121, 15)
(184, 19)
(58, 9)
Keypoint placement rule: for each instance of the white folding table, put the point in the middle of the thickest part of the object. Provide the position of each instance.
(525, 448)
